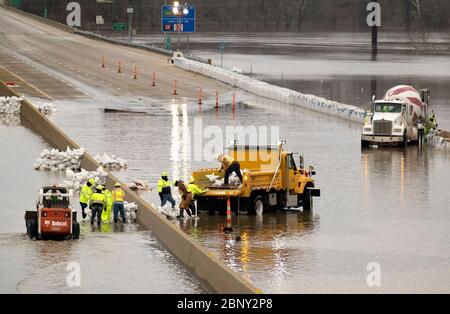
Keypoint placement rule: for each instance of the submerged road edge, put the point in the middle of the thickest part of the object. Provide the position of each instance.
(210, 271)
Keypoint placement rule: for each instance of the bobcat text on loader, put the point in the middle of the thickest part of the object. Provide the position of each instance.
(54, 216)
(271, 182)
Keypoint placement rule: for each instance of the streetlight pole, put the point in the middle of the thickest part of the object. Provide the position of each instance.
(179, 30)
(180, 10)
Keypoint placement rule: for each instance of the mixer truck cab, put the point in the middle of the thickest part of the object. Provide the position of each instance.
(272, 180)
(397, 119)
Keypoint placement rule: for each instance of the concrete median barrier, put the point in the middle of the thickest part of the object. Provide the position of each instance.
(204, 265)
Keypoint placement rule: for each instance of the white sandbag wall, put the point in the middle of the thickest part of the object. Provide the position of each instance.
(439, 142)
(273, 92)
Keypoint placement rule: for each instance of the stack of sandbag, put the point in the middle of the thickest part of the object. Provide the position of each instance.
(54, 160)
(10, 105)
(111, 162)
(75, 180)
(168, 211)
(45, 107)
(139, 185)
(10, 110)
(130, 213)
(233, 179)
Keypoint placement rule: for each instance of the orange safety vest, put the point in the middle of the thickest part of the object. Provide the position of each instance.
(118, 195)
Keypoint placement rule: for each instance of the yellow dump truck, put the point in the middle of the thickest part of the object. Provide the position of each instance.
(271, 181)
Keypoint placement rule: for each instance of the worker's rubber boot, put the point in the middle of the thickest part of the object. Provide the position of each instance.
(83, 214)
(181, 214)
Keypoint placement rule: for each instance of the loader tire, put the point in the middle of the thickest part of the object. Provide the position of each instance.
(32, 228)
(75, 231)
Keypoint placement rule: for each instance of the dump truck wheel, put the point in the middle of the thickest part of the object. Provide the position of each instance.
(32, 228)
(75, 231)
(307, 200)
(259, 205)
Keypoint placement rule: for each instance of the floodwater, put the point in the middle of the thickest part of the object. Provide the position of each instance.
(384, 206)
(114, 259)
(336, 66)
(387, 206)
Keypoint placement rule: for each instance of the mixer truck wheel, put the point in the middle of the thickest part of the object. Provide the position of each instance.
(405, 140)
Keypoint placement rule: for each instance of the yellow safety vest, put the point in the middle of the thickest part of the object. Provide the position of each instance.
(163, 184)
(98, 198)
(108, 197)
(85, 194)
(118, 195)
(194, 189)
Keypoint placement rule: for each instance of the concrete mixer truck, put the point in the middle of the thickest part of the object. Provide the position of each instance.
(398, 118)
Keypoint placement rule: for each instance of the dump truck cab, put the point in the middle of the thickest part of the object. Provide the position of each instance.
(271, 181)
(54, 216)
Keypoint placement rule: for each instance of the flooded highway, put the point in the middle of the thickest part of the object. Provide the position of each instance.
(384, 206)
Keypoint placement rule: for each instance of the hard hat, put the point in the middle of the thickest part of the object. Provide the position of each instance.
(191, 179)
(165, 174)
(92, 181)
(219, 157)
(100, 187)
(117, 185)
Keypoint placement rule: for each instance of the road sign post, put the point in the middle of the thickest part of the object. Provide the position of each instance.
(222, 49)
(130, 12)
(119, 26)
(178, 21)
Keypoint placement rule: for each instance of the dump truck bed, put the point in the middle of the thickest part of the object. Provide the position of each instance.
(253, 180)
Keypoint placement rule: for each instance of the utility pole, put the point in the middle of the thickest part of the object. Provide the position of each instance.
(408, 15)
(374, 40)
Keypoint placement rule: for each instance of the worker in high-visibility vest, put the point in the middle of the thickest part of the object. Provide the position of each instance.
(196, 191)
(186, 198)
(118, 197)
(97, 204)
(229, 165)
(106, 214)
(85, 195)
(164, 190)
(430, 123)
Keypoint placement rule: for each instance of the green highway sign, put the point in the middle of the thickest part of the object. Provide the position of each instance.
(120, 26)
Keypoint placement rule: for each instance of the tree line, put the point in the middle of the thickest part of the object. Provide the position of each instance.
(259, 15)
